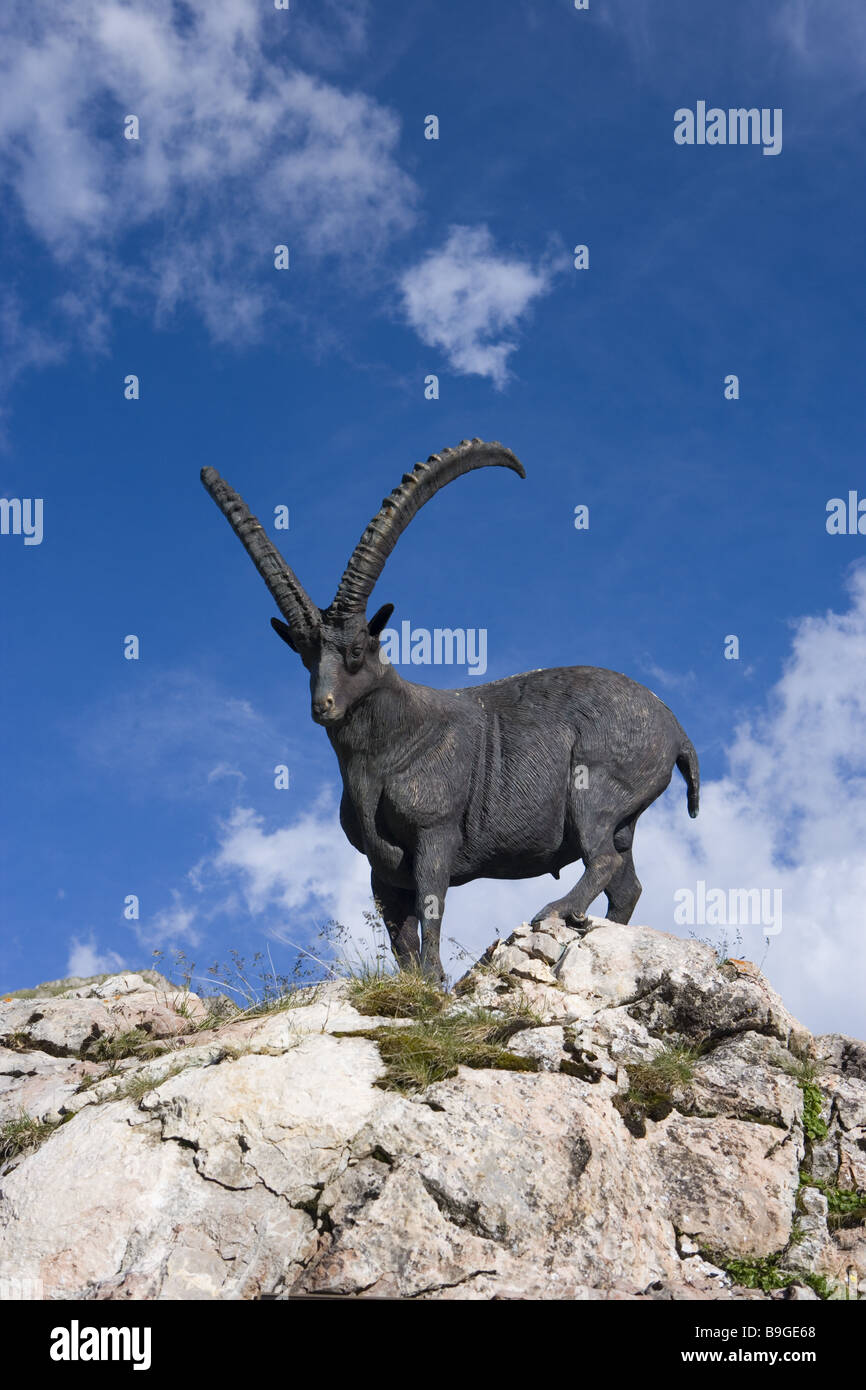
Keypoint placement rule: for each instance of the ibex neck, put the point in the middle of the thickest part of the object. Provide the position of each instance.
(394, 708)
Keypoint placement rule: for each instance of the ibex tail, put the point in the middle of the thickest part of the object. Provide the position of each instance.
(687, 762)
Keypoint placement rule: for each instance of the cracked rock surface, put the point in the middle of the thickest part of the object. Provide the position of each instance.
(660, 1136)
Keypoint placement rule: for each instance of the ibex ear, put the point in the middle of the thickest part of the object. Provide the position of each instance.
(378, 620)
(283, 630)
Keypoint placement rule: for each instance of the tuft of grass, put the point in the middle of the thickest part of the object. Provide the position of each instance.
(220, 1010)
(295, 997)
(139, 1085)
(23, 1135)
(432, 1049)
(128, 1044)
(395, 994)
(257, 985)
(652, 1083)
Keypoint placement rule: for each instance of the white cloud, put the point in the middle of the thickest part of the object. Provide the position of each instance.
(171, 924)
(790, 814)
(306, 869)
(824, 40)
(239, 150)
(85, 959)
(467, 299)
(167, 730)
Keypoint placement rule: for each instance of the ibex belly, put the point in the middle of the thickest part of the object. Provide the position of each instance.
(516, 823)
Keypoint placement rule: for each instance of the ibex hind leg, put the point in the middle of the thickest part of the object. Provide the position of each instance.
(602, 863)
(398, 913)
(625, 887)
(605, 848)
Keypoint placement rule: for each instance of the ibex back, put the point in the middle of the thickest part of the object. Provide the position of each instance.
(507, 780)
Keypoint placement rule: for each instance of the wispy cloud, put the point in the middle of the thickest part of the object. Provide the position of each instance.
(239, 150)
(182, 732)
(178, 924)
(86, 959)
(824, 39)
(467, 299)
(22, 345)
(336, 32)
(675, 680)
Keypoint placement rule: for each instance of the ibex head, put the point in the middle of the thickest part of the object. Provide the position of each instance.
(338, 645)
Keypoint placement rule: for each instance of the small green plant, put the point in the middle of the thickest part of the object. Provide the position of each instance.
(814, 1125)
(432, 1049)
(805, 1073)
(846, 1206)
(759, 1272)
(113, 1069)
(23, 1135)
(763, 1272)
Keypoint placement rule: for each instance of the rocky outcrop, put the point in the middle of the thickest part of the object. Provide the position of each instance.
(650, 1123)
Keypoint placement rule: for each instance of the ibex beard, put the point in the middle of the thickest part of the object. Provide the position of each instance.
(508, 780)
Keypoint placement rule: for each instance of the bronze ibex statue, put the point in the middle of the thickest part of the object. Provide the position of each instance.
(507, 780)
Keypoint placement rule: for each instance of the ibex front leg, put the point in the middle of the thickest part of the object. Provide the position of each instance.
(405, 910)
(397, 906)
(434, 855)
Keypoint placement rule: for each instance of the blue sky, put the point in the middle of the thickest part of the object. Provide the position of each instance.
(305, 387)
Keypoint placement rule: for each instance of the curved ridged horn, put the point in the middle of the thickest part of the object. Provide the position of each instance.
(397, 510)
(290, 596)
